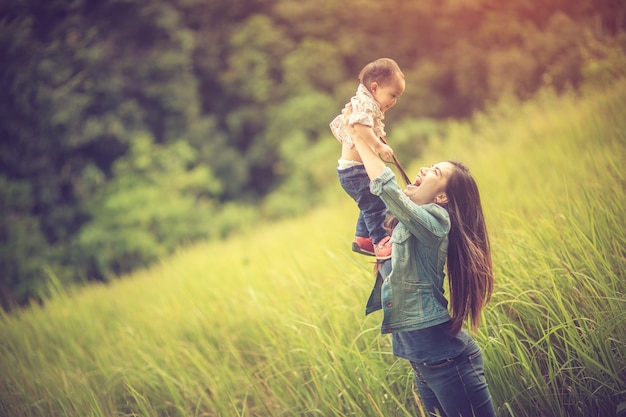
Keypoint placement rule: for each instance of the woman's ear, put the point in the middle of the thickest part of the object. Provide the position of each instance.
(441, 199)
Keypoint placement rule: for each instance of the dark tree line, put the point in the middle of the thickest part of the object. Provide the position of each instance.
(131, 127)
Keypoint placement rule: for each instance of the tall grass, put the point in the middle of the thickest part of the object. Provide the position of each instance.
(271, 323)
(556, 330)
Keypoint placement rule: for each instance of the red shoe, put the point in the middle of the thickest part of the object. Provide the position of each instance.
(363, 245)
(382, 249)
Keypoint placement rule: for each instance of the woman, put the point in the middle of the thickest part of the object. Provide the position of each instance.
(439, 220)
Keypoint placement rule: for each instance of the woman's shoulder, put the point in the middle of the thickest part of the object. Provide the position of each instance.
(429, 223)
(439, 214)
(437, 211)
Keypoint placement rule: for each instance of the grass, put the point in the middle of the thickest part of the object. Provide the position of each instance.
(271, 322)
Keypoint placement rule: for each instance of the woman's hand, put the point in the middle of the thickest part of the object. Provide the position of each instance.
(363, 132)
(347, 111)
(373, 164)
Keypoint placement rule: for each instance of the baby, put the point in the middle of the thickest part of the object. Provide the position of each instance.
(381, 83)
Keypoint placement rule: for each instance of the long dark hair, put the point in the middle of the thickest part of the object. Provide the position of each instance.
(470, 271)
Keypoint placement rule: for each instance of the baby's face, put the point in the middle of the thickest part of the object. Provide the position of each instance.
(388, 93)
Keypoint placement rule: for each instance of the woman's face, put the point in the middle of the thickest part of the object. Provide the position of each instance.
(430, 184)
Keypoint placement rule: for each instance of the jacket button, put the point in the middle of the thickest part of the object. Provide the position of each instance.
(389, 304)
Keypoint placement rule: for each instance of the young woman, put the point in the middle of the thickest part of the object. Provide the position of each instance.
(438, 221)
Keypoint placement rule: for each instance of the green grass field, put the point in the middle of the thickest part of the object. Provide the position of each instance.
(271, 322)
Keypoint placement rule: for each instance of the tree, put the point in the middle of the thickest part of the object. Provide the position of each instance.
(153, 204)
(23, 247)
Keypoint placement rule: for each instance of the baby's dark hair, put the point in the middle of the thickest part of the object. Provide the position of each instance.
(380, 71)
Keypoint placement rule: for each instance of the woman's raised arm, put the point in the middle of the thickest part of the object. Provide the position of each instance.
(372, 162)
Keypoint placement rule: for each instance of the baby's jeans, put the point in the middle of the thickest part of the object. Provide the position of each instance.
(356, 183)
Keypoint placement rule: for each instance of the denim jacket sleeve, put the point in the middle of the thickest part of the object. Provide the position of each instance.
(430, 223)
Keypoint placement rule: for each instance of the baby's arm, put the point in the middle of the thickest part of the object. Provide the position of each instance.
(367, 134)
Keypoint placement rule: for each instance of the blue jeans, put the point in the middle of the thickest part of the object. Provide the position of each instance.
(356, 183)
(455, 387)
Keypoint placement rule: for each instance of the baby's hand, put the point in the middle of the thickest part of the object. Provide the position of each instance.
(384, 151)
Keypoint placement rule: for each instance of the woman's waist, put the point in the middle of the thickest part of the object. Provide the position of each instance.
(413, 303)
(432, 344)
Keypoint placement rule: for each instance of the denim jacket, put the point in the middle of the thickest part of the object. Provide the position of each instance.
(410, 290)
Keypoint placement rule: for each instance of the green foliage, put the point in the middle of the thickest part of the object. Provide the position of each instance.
(311, 168)
(254, 60)
(154, 204)
(21, 239)
(604, 62)
(307, 159)
(411, 137)
(314, 65)
(249, 86)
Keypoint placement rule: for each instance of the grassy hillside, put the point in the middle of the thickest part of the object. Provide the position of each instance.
(271, 323)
